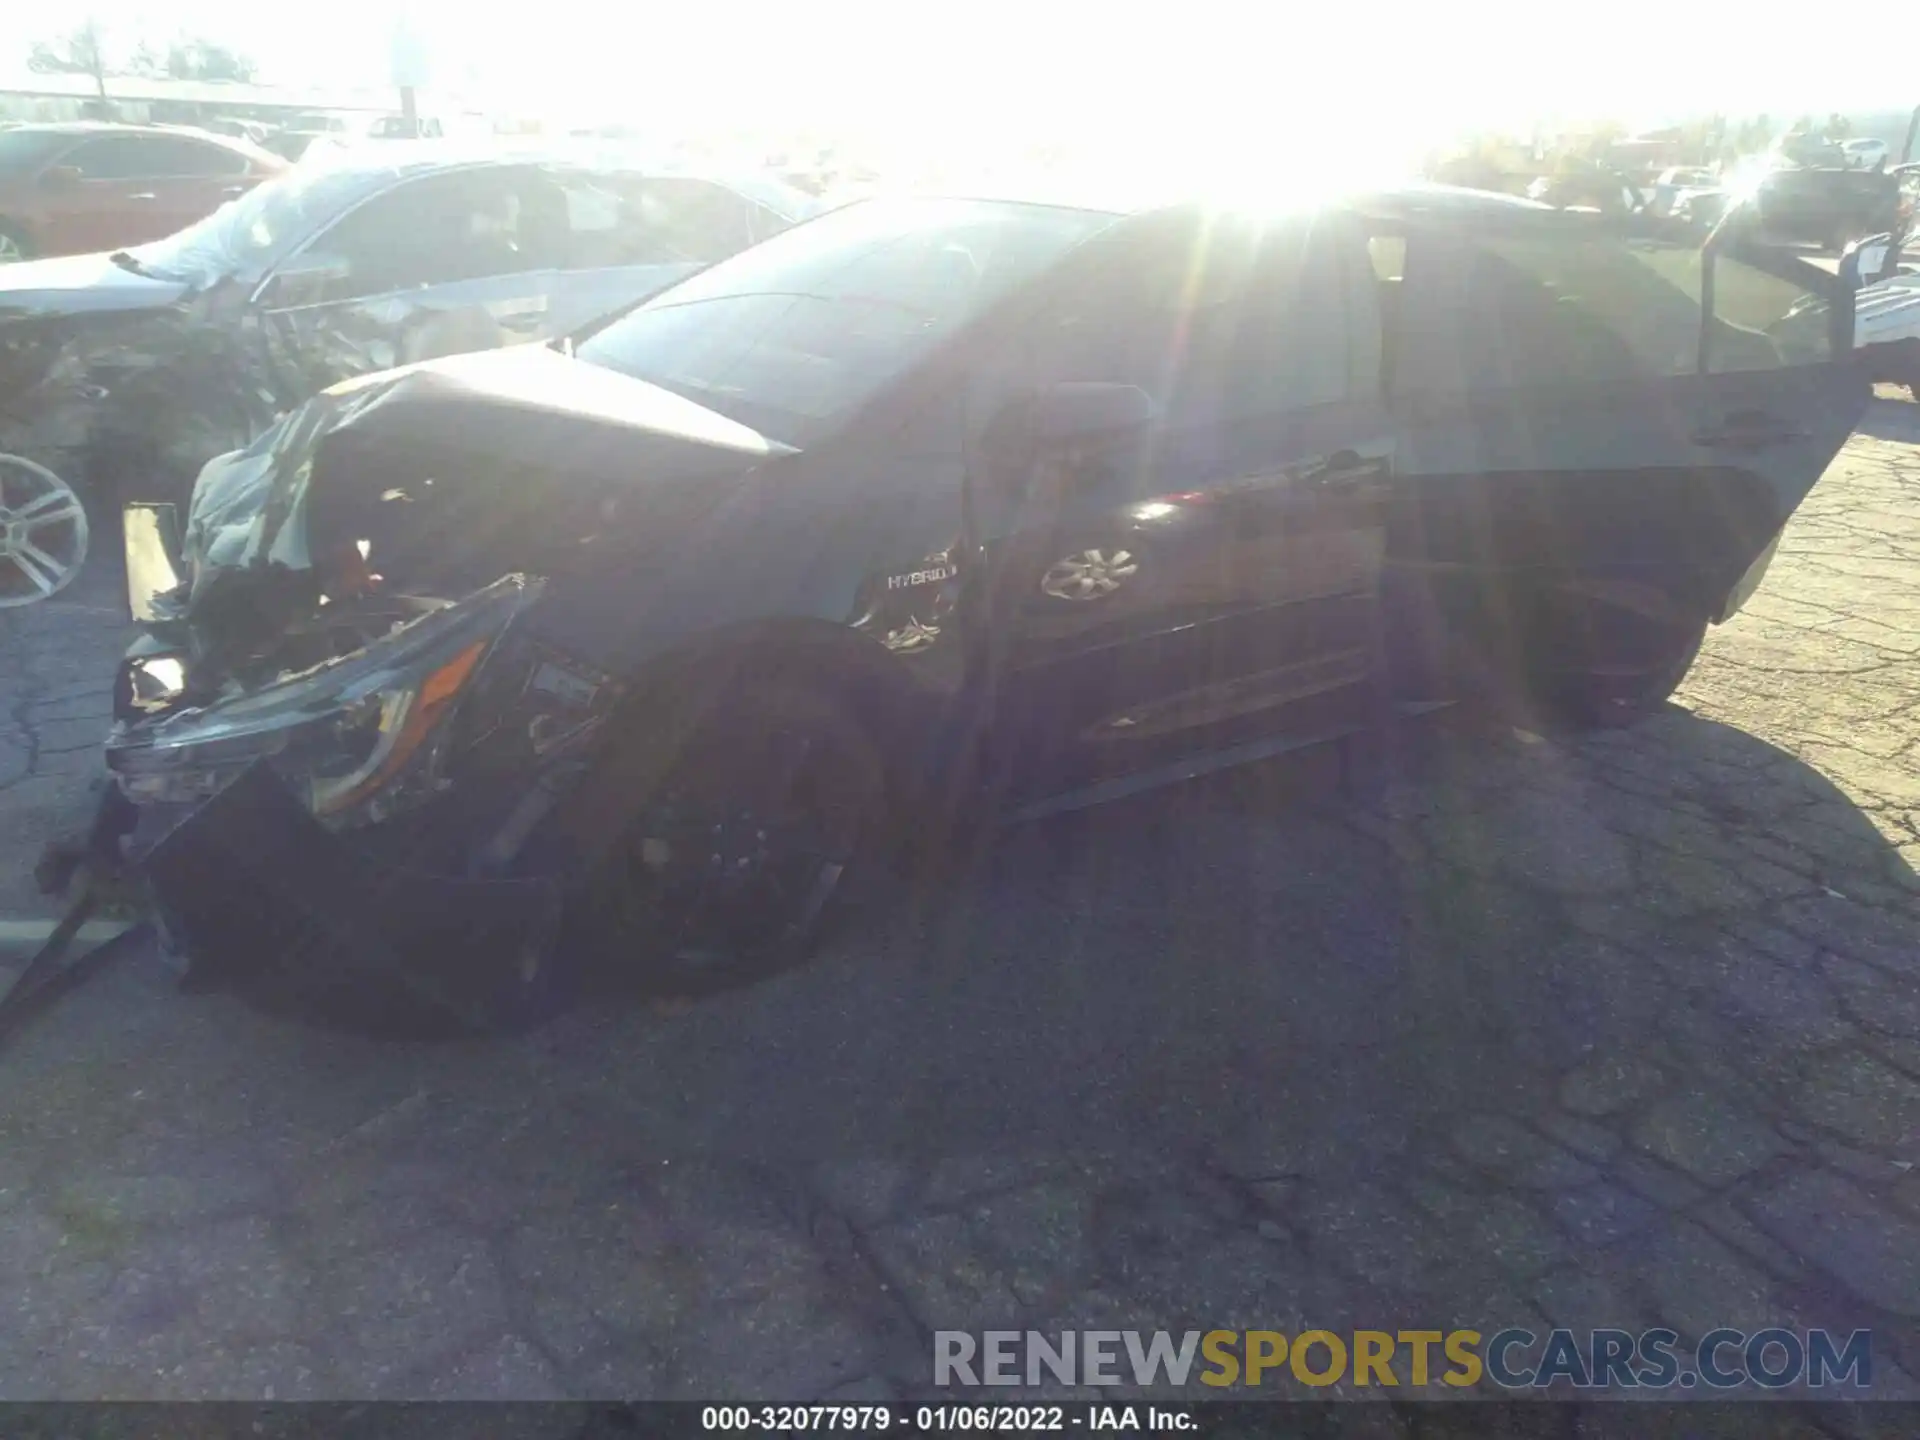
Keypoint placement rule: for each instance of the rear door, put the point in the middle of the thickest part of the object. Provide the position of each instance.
(137, 187)
(108, 205)
(1583, 446)
(190, 178)
(1212, 582)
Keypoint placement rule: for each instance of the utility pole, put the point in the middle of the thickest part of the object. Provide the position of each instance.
(409, 62)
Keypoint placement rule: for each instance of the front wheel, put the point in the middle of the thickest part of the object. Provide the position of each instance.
(43, 532)
(728, 868)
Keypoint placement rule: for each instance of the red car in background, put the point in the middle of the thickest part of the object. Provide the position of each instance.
(68, 189)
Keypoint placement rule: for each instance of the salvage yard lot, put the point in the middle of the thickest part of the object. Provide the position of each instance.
(1595, 1032)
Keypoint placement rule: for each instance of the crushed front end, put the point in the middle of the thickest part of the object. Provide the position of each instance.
(362, 682)
(339, 815)
(352, 830)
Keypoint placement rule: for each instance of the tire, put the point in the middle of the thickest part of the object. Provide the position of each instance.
(14, 244)
(729, 868)
(1616, 691)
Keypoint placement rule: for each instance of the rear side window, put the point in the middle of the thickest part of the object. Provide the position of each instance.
(133, 157)
(1508, 312)
(1764, 321)
(439, 229)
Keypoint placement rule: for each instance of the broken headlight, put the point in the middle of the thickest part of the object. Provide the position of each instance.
(357, 737)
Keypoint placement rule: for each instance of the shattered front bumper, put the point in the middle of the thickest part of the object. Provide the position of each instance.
(366, 924)
(260, 896)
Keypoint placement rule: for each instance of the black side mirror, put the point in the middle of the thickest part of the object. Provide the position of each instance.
(60, 177)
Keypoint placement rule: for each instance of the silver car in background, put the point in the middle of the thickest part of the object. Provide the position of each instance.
(121, 374)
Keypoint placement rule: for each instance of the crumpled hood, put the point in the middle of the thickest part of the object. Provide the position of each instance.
(454, 471)
(80, 285)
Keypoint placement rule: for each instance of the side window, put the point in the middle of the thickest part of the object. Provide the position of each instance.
(1763, 321)
(1216, 321)
(696, 221)
(1509, 311)
(1573, 310)
(112, 157)
(141, 157)
(613, 219)
(436, 230)
(178, 155)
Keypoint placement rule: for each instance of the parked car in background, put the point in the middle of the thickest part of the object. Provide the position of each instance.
(398, 127)
(927, 512)
(1864, 154)
(253, 131)
(1826, 207)
(130, 369)
(1588, 187)
(303, 132)
(1676, 181)
(69, 188)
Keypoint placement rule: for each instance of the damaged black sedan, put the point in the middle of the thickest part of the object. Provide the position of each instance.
(628, 651)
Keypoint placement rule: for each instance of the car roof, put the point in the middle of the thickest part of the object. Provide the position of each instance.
(116, 127)
(1413, 199)
(381, 162)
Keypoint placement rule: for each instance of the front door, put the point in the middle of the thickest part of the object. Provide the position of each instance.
(1212, 580)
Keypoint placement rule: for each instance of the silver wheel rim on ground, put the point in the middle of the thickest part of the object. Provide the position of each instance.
(10, 249)
(43, 532)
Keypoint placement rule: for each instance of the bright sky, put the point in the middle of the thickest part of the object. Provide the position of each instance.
(1186, 77)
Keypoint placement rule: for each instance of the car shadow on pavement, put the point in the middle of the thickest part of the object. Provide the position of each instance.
(1127, 1046)
(1206, 968)
(1263, 955)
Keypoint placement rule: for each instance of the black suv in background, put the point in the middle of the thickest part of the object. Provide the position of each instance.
(628, 650)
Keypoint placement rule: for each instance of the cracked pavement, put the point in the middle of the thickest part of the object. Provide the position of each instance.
(1593, 1032)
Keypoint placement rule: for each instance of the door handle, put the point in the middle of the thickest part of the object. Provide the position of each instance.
(144, 195)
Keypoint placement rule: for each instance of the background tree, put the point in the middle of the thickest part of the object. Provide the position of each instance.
(82, 51)
(196, 59)
(147, 61)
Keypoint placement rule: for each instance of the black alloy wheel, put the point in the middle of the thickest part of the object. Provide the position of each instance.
(731, 866)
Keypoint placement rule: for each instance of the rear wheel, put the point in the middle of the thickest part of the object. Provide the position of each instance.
(728, 869)
(1616, 669)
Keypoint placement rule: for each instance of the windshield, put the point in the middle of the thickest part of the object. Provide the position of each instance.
(250, 232)
(793, 333)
